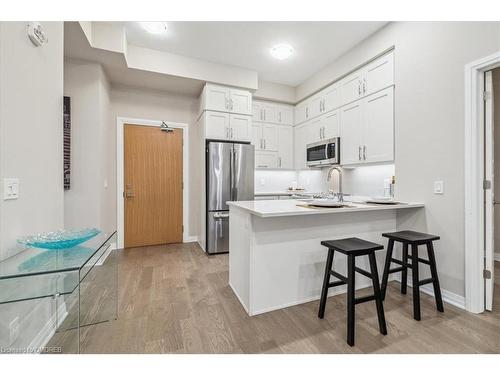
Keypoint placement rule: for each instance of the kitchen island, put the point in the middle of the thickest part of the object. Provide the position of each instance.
(276, 258)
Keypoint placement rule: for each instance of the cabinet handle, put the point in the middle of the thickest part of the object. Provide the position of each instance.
(279, 160)
(262, 166)
(307, 112)
(280, 116)
(359, 152)
(261, 144)
(359, 87)
(231, 104)
(231, 133)
(264, 113)
(264, 143)
(364, 152)
(227, 104)
(364, 86)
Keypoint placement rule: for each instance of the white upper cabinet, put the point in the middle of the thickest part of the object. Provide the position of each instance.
(315, 106)
(331, 98)
(379, 74)
(226, 126)
(285, 115)
(351, 87)
(301, 140)
(226, 99)
(378, 114)
(265, 136)
(257, 111)
(240, 127)
(301, 112)
(367, 129)
(272, 113)
(216, 125)
(285, 147)
(269, 113)
(265, 159)
(331, 124)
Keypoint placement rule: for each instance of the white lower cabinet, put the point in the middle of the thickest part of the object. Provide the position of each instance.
(367, 129)
(226, 126)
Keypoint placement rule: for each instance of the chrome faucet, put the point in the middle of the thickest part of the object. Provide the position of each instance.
(340, 194)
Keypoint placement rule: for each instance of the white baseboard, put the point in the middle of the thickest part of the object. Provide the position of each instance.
(49, 329)
(239, 298)
(497, 257)
(448, 297)
(190, 239)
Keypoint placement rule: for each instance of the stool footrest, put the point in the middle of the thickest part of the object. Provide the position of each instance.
(421, 260)
(336, 283)
(338, 276)
(426, 281)
(364, 299)
(398, 269)
(363, 272)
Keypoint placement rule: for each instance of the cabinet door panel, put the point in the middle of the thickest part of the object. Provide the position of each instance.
(379, 74)
(301, 140)
(270, 113)
(331, 98)
(351, 133)
(217, 98)
(241, 127)
(315, 106)
(285, 115)
(351, 88)
(300, 112)
(331, 124)
(216, 125)
(241, 101)
(264, 159)
(270, 137)
(256, 111)
(285, 147)
(257, 135)
(315, 131)
(378, 130)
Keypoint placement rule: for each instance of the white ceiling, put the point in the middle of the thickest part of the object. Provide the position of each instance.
(247, 44)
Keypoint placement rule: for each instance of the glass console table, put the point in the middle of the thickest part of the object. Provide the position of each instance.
(48, 297)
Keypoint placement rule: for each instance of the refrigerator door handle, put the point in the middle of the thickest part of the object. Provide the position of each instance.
(234, 194)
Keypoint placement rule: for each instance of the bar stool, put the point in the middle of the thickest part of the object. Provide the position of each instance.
(407, 238)
(353, 247)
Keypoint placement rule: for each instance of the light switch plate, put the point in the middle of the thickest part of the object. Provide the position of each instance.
(10, 188)
(438, 187)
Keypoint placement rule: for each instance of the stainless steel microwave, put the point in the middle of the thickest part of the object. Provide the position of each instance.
(323, 153)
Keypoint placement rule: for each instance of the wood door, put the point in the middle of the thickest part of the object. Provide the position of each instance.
(153, 186)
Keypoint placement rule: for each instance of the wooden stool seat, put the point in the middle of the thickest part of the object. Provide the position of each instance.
(413, 239)
(353, 247)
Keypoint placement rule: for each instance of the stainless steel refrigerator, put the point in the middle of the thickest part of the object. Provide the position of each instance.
(230, 177)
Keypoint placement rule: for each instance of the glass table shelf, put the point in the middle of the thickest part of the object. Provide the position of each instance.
(82, 279)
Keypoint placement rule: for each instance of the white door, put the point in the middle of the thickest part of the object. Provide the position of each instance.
(351, 88)
(331, 98)
(285, 147)
(240, 101)
(257, 135)
(216, 125)
(217, 98)
(270, 137)
(379, 74)
(266, 160)
(378, 129)
(489, 195)
(315, 106)
(351, 128)
(241, 127)
(300, 142)
(331, 124)
(257, 111)
(285, 115)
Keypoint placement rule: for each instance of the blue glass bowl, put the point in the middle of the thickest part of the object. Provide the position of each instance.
(61, 239)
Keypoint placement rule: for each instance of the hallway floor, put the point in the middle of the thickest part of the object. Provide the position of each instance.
(175, 299)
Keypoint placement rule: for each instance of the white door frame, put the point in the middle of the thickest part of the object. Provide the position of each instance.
(474, 176)
(120, 208)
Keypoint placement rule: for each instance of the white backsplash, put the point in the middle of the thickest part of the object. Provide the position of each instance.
(364, 181)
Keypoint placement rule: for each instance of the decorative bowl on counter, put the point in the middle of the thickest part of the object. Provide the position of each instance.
(61, 239)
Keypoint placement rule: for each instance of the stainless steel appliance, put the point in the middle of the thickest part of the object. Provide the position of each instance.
(230, 177)
(323, 153)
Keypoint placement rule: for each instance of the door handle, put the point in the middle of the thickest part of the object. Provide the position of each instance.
(359, 87)
(364, 85)
(129, 191)
(364, 152)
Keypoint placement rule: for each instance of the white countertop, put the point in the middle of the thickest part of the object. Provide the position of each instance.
(277, 208)
(282, 192)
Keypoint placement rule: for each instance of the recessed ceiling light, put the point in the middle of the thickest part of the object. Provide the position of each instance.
(282, 51)
(154, 27)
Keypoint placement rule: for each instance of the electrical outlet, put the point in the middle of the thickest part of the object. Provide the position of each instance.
(13, 330)
(438, 187)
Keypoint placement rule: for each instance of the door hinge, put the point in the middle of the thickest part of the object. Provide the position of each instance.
(486, 95)
(486, 274)
(486, 184)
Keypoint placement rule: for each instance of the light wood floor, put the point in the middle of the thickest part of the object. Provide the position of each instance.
(175, 299)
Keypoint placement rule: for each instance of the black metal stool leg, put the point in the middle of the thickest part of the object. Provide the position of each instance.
(351, 264)
(385, 276)
(404, 273)
(434, 274)
(415, 281)
(326, 281)
(378, 295)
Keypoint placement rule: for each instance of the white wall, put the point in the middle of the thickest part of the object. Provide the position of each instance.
(31, 105)
(429, 119)
(89, 202)
(157, 105)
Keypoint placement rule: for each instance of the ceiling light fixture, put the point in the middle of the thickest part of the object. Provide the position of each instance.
(282, 51)
(154, 27)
